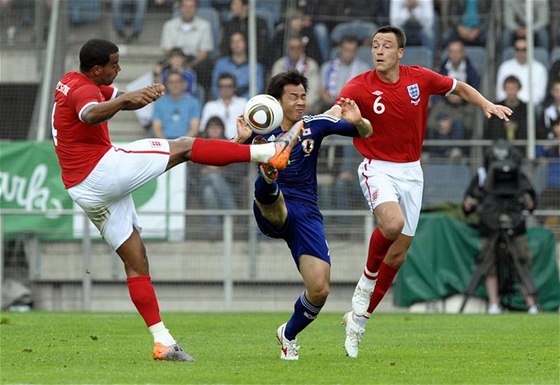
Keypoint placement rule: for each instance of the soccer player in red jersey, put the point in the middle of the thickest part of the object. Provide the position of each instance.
(100, 177)
(394, 98)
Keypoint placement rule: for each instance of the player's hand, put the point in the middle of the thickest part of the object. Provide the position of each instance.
(498, 110)
(350, 111)
(243, 130)
(144, 96)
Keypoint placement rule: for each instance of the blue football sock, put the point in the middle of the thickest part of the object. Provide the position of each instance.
(304, 314)
(266, 193)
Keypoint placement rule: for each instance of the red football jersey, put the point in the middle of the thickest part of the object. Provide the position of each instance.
(78, 145)
(398, 112)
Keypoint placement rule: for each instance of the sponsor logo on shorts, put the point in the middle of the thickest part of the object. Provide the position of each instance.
(155, 144)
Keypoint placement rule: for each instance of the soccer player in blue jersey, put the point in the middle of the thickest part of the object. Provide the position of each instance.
(285, 204)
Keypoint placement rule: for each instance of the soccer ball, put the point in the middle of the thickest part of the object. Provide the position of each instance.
(263, 113)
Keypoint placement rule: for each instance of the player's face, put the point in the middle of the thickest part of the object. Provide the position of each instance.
(109, 71)
(385, 52)
(294, 103)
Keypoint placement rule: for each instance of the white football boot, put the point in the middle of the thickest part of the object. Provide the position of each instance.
(289, 349)
(354, 333)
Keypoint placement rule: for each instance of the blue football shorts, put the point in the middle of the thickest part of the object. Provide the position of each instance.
(303, 231)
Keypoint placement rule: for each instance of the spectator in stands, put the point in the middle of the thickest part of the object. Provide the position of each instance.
(338, 71)
(239, 23)
(300, 25)
(176, 60)
(552, 112)
(176, 113)
(458, 65)
(13, 14)
(227, 106)
(120, 21)
(297, 59)
(237, 64)
(514, 22)
(519, 68)
(469, 21)
(416, 19)
(450, 118)
(194, 36)
(516, 128)
(217, 192)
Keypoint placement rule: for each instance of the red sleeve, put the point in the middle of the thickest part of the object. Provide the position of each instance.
(108, 92)
(84, 95)
(438, 84)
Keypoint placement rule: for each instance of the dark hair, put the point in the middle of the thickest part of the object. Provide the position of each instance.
(399, 33)
(227, 75)
(96, 52)
(513, 79)
(276, 84)
(176, 51)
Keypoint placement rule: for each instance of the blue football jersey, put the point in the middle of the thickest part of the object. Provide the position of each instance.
(298, 181)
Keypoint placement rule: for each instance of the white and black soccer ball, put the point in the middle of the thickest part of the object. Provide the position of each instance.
(263, 113)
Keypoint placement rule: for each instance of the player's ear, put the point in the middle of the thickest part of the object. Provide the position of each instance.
(400, 52)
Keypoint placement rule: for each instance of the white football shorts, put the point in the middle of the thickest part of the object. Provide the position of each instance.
(105, 194)
(383, 181)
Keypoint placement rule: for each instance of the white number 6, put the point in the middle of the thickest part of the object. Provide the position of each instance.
(378, 107)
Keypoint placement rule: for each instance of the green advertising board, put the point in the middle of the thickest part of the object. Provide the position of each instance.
(30, 181)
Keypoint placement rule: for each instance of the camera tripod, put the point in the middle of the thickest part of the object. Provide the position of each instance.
(508, 265)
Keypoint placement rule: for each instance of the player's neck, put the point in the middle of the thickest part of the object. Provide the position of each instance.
(390, 76)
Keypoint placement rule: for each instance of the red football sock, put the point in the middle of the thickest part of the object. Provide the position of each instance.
(378, 246)
(385, 278)
(143, 296)
(219, 152)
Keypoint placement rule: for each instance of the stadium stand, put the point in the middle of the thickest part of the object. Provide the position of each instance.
(444, 183)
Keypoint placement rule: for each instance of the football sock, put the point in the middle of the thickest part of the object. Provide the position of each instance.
(385, 279)
(216, 152)
(378, 246)
(304, 314)
(266, 193)
(161, 334)
(143, 296)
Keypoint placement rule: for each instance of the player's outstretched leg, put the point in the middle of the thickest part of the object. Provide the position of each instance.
(354, 333)
(289, 349)
(284, 145)
(170, 353)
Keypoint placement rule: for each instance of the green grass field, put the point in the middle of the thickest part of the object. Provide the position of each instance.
(240, 348)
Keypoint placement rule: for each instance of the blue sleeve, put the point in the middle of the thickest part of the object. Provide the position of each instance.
(334, 126)
(195, 108)
(158, 111)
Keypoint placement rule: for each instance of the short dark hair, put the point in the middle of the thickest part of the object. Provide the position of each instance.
(513, 79)
(96, 52)
(399, 33)
(227, 75)
(276, 84)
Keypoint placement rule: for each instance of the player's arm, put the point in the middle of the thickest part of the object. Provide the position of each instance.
(471, 95)
(99, 112)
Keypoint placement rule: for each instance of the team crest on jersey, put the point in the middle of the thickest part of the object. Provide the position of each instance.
(308, 145)
(413, 91)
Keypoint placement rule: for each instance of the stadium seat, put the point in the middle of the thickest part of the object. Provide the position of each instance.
(541, 54)
(84, 11)
(445, 183)
(418, 56)
(360, 29)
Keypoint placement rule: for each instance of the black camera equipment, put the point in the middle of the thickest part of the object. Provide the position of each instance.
(501, 211)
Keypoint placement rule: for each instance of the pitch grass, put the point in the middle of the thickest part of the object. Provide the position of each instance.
(240, 348)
